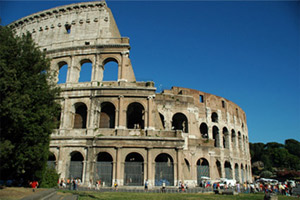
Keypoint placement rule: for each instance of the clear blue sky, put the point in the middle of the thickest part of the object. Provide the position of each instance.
(246, 52)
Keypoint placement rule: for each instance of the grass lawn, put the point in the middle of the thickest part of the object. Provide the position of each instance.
(168, 196)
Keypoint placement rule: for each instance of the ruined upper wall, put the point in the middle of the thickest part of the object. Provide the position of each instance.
(90, 23)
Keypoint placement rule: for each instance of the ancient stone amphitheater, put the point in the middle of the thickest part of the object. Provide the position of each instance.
(123, 131)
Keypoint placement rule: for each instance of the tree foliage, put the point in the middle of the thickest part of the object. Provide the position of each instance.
(276, 156)
(27, 107)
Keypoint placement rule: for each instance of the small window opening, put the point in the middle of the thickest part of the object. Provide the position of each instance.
(201, 98)
(68, 28)
(87, 43)
(223, 104)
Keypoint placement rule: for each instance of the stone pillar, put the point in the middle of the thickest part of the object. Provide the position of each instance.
(179, 164)
(59, 163)
(150, 174)
(84, 173)
(151, 125)
(73, 71)
(118, 176)
(121, 113)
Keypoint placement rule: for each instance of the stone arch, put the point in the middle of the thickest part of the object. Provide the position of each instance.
(236, 172)
(164, 170)
(202, 169)
(107, 115)
(225, 138)
(86, 66)
(204, 130)
(104, 169)
(110, 69)
(62, 72)
(233, 138)
(246, 172)
(76, 165)
(216, 136)
(240, 140)
(242, 173)
(135, 116)
(180, 122)
(134, 169)
(228, 170)
(80, 119)
(214, 117)
(51, 162)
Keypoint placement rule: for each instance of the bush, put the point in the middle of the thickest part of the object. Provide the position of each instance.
(50, 178)
(265, 174)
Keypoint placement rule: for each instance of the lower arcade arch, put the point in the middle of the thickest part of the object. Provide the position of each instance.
(242, 173)
(51, 162)
(236, 172)
(218, 164)
(202, 170)
(164, 170)
(76, 165)
(104, 169)
(228, 170)
(134, 170)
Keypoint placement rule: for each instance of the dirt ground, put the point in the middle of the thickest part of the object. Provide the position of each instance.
(15, 193)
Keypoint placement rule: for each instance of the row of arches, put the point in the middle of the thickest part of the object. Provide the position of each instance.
(134, 168)
(110, 73)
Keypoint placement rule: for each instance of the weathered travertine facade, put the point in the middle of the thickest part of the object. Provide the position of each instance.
(122, 130)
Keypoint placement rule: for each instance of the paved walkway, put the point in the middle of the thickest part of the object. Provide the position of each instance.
(51, 194)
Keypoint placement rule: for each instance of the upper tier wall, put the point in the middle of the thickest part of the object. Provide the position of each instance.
(90, 23)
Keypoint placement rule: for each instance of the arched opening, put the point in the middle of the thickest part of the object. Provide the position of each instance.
(225, 138)
(202, 170)
(242, 173)
(51, 162)
(110, 72)
(164, 170)
(135, 116)
(244, 143)
(214, 117)
(134, 170)
(76, 165)
(204, 130)
(240, 140)
(107, 115)
(180, 122)
(104, 169)
(86, 71)
(228, 170)
(62, 73)
(233, 138)
(236, 172)
(162, 119)
(218, 164)
(57, 118)
(216, 136)
(80, 115)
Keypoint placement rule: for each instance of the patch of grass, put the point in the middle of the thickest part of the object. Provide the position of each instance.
(168, 196)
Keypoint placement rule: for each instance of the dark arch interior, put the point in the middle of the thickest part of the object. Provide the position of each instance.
(180, 122)
(104, 157)
(80, 116)
(214, 117)
(216, 136)
(162, 119)
(204, 130)
(135, 116)
(227, 164)
(202, 161)
(134, 157)
(164, 158)
(51, 157)
(107, 115)
(76, 156)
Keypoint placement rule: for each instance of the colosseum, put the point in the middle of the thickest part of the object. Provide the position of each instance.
(123, 131)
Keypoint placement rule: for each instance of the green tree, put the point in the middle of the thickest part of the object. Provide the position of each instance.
(293, 146)
(27, 107)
